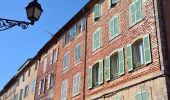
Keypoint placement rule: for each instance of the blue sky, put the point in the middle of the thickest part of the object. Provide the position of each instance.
(17, 45)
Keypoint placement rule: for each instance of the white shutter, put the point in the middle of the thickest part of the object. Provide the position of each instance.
(49, 79)
(56, 54)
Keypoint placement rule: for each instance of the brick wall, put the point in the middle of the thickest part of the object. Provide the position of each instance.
(128, 35)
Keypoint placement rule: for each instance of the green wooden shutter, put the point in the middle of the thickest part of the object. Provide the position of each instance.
(116, 26)
(111, 34)
(145, 95)
(132, 17)
(97, 11)
(129, 57)
(90, 77)
(107, 68)
(147, 49)
(138, 5)
(100, 72)
(121, 61)
(138, 96)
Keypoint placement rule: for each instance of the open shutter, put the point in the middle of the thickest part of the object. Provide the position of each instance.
(51, 57)
(100, 72)
(39, 88)
(97, 11)
(57, 50)
(90, 77)
(49, 79)
(121, 61)
(107, 68)
(147, 49)
(129, 57)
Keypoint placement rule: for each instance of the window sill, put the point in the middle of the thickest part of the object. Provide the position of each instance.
(96, 50)
(65, 70)
(77, 62)
(114, 38)
(75, 95)
(137, 22)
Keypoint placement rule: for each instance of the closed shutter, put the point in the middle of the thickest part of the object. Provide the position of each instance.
(90, 77)
(96, 40)
(49, 79)
(107, 68)
(100, 72)
(64, 40)
(121, 61)
(116, 26)
(138, 5)
(39, 88)
(111, 34)
(145, 95)
(138, 96)
(129, 57)
(147, 49)
(132, 15)
(97, 11)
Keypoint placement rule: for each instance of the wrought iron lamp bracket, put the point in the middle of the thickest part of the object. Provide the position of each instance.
(7, 23)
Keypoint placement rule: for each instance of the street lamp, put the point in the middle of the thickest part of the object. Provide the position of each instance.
(33, 11)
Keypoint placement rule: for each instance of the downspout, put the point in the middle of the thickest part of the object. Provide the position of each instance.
(85, 53)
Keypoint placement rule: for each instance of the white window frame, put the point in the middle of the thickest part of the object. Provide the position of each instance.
(76, 84)
(76, 53)
(66, 65)
(64, 90)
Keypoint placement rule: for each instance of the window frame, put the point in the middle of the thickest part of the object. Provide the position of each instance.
(76, 85)
(64, 90)
(65, 67)
(78, 47)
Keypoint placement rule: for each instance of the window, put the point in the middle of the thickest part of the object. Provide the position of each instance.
(23, 77)
(139, 53)
(64, 90)
(36, 65)
(77, 53)
(21, 92)
(54, 54)
(97, 12)
(42, 86)
(66, 60)
(29, 71)
(82, 25)
(15, 97)
(113, 27)
(66, 38)
(26, 90)
(135, 11)
(95, 74)
(33, 85)
(76, 84)
(118, 98)
(45, 65)
(113, 3)
(142, 95)
(96, 40)
(73, 32)
(115, 65)
(50, 81)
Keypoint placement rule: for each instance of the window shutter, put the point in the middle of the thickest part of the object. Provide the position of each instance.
(90, 77)
(129, 57)
(107, 68)
(138, 5)
(111, 34)
(49, 79)
(100, 72)
(121, 61)
(138, 96)
(39, 89)
(51, 58)
(116, 26)
(64, 40)
(132, 17)
(57, 50)
(147, 49)
(145, 95)
(97, 11)
(44, 85)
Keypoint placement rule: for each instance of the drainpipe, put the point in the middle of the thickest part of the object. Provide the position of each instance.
(85, 53)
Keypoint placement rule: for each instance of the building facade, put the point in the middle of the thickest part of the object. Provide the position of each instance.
(110, 50)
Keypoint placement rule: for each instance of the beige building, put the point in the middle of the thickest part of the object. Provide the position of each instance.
(22, 85)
